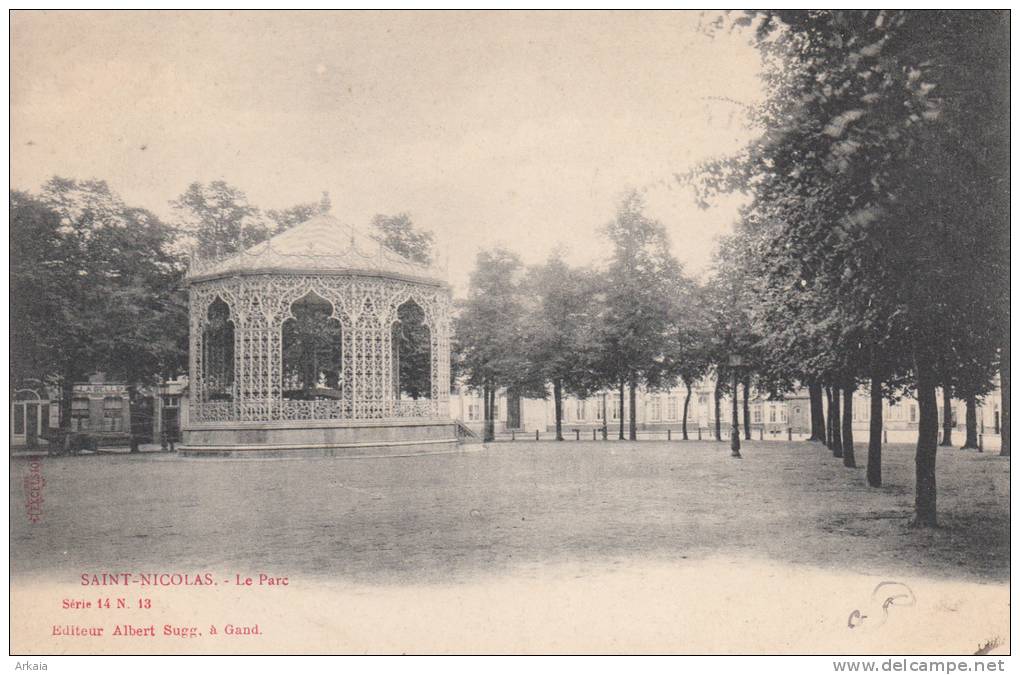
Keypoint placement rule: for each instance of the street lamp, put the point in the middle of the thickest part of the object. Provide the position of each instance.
(736, 362)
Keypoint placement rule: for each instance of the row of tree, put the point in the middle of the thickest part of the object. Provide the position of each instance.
(553, 329)
(875, 250)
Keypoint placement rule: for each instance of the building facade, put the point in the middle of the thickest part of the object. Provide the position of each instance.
(171, 410)
(663, 410)
(109, 412)
(32, 415)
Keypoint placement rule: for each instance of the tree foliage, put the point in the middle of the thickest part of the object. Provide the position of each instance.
(219, 219)
(490, 330)
(399, 234)
(299, 213)
(640, 289)
(95, 287)
(558, 325)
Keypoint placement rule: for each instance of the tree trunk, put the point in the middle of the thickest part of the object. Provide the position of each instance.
(622, 403)
(485, 411)
(605, 418)
(513, 409)
(687, 403)
(828, 418)
(817, 414)
(971, 439)
(492, 413)
(735, 418)
(848, 427)
(718, 397)
(837, 436)
(875, 432)
(633, 410)
(1004, 393)
(486, 415)
(66, 396)
(947, 417)
(927, 446)
(131, 402)
(558, 406)
(747, 410)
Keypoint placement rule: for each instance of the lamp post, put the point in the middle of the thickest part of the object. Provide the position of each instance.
(736, 361)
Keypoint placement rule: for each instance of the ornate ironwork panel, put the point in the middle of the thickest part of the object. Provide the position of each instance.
(366, 309)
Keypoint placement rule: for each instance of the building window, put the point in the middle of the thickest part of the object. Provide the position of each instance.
(772, 413)
(655, 409)
(598, 410)
(112, 413)
(756, 414)
(614, 414)
(782, 413)
(671, 408)
(579, 411)
(19, 419)
(171, 401)
(913, 412)
(79, 414)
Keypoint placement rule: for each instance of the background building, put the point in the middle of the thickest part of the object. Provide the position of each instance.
(31, 413)
(108, 412)
(659, 411)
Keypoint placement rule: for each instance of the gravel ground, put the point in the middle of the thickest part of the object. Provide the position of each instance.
(509, 508)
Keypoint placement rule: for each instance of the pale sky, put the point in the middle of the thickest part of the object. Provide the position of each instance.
(520, 129)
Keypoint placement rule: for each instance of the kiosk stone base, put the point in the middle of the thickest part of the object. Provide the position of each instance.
(332, 438)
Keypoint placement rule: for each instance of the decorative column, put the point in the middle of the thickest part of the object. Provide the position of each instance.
(443, 370)
(372, 347)
(440, 353)
(241, 368)
(196, 326)
(393, 396)
(382, 371)
(435, 359)
(207, 352)
(274, 363)
(253, 341)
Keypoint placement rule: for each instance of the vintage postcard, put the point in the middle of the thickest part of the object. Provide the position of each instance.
(511, 332)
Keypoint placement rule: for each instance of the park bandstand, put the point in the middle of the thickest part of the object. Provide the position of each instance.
(318, 341)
